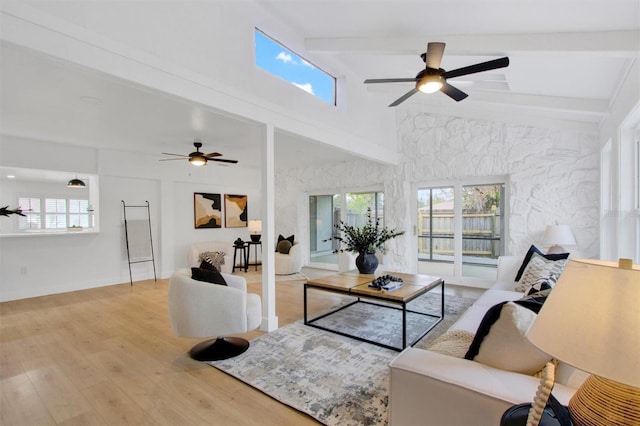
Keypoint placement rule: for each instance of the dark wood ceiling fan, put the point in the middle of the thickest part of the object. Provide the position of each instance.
(433, 78)
(198, 158)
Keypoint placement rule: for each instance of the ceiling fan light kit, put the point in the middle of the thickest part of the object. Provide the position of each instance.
(430, 82)
(198, 158)
(433, 78)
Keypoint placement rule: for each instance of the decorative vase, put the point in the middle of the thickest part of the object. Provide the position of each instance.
(366, 262)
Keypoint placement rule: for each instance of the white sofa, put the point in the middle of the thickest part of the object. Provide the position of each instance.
(197, 248)
(435, 389)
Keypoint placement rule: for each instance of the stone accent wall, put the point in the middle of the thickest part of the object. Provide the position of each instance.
(553, 176)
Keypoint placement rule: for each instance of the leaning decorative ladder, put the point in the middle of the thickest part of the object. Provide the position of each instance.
(138, 246)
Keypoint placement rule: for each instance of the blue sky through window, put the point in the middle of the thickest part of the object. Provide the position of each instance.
(278, 60)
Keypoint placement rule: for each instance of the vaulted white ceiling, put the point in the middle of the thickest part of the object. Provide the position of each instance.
(567, 58)
(567, 61)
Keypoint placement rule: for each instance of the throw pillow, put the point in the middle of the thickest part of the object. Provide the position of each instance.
(206, 265)
(216, 258)
(534, 301)
(540, 284)
(533, 249)
(453, 343)
(290, 238)
(505, 346)
(490, 317)
(284, 246)
(540, 267)
(213, 277)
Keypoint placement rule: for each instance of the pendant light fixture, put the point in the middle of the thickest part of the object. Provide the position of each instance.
(76, 183)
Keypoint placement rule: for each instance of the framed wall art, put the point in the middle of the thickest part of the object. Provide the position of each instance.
(235, 211)
(207, 210)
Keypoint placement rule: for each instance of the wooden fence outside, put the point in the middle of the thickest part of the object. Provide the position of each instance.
(480, 234)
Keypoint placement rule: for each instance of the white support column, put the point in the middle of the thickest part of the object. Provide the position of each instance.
(269, 318)
(166, 258)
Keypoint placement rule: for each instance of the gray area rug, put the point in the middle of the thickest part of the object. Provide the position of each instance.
(384, 324)
(336, 380)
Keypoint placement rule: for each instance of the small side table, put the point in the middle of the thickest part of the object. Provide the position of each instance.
(244, 255)
(255, 245)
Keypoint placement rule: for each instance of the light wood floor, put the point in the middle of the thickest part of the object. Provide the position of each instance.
(106, 356)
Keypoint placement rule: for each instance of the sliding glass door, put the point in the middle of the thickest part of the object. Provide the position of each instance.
(325, 211)
(460, 230)
(435, 230)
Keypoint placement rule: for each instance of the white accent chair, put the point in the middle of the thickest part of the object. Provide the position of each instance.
(200, 309)
(291, 263)
(197, 248)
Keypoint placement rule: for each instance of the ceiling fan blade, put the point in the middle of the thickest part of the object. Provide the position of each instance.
(404, 97)
(435, 51)
(483, 66)
(177, 155)
(212, 154)
(453, 92)
(222, 160)
(172, 159)
(391, 80)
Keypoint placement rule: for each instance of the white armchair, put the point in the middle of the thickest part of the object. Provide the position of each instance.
(197, 248)
(201, 309)
(290, 263)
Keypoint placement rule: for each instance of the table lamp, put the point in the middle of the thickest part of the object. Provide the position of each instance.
(591, 320)
(255, 229)
(558, 236)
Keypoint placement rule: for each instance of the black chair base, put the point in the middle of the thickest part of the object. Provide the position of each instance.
(219, 349)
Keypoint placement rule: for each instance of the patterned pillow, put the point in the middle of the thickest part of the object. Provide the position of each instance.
(527, 258)
(540, 268)
(216, 258)
(540, 284)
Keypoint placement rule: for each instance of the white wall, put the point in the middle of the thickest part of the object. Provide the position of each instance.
(553, 176)
(39, 265)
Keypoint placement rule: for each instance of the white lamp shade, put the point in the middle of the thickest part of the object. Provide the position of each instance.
(591, 320)
(255, 226)
(560, 235)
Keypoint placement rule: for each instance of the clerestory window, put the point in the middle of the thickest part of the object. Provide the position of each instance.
(277, 59)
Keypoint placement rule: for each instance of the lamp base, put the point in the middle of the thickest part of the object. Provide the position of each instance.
(600, 401)
(255, 237)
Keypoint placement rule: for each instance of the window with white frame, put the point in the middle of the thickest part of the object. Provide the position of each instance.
(32, 218)
(53, 213)
(274, 57)
(78, 213)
